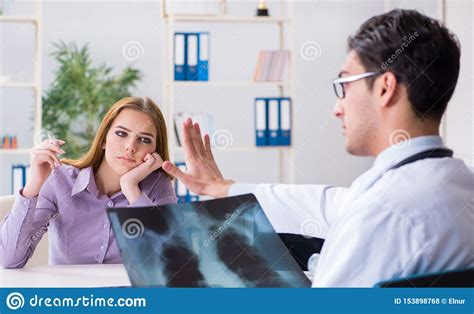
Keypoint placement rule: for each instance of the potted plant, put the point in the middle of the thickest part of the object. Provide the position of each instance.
(80, 95)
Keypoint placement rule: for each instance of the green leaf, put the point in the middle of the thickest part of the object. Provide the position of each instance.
(80, 95)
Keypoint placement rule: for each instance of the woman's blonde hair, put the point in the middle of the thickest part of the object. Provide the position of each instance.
(95, 154)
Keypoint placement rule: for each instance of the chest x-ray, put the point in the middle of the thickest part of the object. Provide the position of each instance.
(225, 242)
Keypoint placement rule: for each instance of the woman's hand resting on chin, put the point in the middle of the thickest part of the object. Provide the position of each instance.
(129, 181)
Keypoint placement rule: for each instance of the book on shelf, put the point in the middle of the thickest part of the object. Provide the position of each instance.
(272, 66)
(9, 142)
(204, 119)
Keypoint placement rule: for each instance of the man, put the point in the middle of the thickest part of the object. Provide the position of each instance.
(412, 212)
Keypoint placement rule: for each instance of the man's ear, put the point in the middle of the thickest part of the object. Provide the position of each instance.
(387, 88)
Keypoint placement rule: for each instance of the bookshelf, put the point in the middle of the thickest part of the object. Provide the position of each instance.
(224, 19)
(286, 154)
(227, 83)
(36, 84)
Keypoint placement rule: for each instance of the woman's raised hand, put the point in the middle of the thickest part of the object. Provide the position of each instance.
(43, 159)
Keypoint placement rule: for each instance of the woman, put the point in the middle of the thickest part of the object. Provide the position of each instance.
(68, 198)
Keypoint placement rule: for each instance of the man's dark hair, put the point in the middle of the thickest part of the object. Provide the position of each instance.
(422, 53)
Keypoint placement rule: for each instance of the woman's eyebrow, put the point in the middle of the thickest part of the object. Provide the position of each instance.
(141, 133)
(122, 127)
(144, 133)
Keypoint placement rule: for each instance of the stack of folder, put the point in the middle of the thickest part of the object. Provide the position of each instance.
(273, 121)
(183, 194)
(272, 65)
(191, 56)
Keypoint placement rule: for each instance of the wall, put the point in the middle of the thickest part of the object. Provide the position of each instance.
(107, 26)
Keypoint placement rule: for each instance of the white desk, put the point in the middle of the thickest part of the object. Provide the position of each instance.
(100, 275)
(105, 275)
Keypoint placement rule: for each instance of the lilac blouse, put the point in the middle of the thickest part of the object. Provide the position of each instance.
(70, 208)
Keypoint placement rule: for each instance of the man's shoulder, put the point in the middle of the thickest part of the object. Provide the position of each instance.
(435, 179)
(429, 191)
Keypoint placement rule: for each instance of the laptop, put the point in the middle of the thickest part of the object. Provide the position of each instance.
(225, 242)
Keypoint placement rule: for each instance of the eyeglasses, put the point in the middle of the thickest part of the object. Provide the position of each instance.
(338, 83)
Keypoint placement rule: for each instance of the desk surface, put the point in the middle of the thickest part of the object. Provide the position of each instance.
(101, 275)
(98, 275)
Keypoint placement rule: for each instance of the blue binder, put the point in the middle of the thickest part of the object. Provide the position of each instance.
(192, 197)
(180, 52)
(182, 193)
(261, 128)
(203, 57)
(273, 106)
(192, 56)
(18, 177)
(284, 131)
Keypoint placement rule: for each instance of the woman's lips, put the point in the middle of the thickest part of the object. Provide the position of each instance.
(125, 159)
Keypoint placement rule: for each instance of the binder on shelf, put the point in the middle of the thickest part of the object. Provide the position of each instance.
(192, 56)
(20, 174)
(193, 197)
(261, 122)
(180, 56)
(183, 194)
(203, 57)
(284, 132)
(273, 121)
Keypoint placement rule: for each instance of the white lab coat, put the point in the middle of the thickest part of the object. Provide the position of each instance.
(390, 223)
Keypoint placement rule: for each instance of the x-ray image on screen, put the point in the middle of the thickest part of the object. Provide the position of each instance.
(226, 242)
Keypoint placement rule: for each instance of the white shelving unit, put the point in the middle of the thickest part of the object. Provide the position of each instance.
(286, 154)
(36, 84)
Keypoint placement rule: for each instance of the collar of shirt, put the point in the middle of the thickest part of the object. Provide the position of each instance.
(402, 150)
(84, 180)
(393, 155)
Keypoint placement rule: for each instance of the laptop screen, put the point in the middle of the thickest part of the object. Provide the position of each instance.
(225, 242)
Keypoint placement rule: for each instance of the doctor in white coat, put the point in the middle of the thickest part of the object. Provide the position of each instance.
(413, 211)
